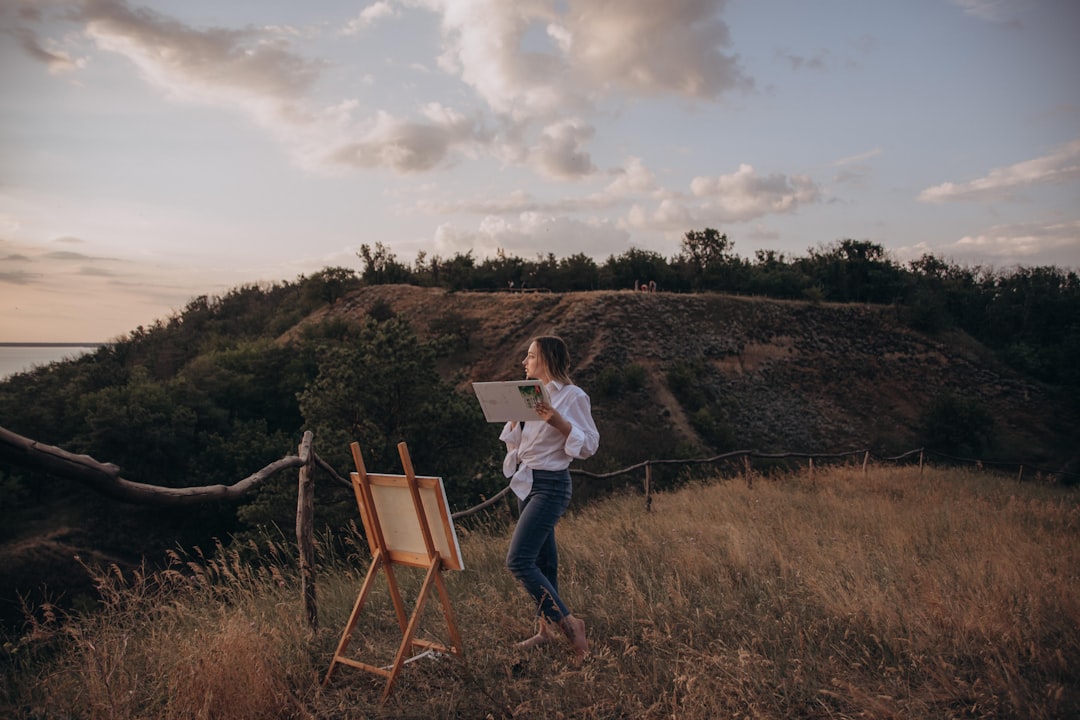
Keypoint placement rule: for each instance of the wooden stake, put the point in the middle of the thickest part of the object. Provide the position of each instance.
(305, 535)
(648, 487)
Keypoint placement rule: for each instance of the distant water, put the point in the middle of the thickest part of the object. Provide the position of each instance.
(18, 358)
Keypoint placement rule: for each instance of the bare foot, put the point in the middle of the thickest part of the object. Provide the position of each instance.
(574, 628)
(542, 637)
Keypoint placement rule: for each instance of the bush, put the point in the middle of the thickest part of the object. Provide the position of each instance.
(956, 425)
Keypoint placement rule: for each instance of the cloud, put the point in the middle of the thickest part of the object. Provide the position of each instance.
(369, 16)
(18, 24)
(632, 178)
(1062, 165)
(856, 168)
(483, 46)
(55, 59)
(646, 47)
(560, 154)
(539, 67)
(593, 47)
(860, 158)
(631, 181)
(65, 255)
(408, 146)
(994, 11)
(215, 65)
(529, 234)
(255, 71)
(1018, 243)
(18, 277)
(739, 197)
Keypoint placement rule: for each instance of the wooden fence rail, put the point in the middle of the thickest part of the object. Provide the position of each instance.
(105, 478)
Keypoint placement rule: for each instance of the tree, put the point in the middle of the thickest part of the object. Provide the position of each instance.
(330, 284)
(579, 272)
(459, 272)
(634, 266)
(855, 271)
(381, 266)
(705, 249)
(379, 386)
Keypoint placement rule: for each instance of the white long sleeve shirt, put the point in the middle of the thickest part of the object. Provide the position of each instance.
(539, 446)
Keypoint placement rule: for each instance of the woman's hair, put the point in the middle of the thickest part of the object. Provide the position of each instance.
(555, 356)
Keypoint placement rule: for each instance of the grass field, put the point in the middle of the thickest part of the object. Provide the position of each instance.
(895, 594)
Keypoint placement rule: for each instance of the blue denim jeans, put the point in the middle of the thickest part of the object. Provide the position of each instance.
(533, 558)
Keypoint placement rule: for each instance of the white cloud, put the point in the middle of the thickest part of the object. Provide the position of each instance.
(257, 73)
(483, 40)
(860, 158)
(739, 197)
(542, 94)
(408, 146)
(561, 153)
(369, 16)
(529, 234)
(995, 11)
(18, 20)
(649, 47)
(1018, 243)
(215, 65)
(1062, 165)
(632, 178)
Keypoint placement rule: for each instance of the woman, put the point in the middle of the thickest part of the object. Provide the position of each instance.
(538, 455)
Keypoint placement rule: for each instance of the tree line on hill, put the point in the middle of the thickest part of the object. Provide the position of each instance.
(208, 395)
(1029, 315)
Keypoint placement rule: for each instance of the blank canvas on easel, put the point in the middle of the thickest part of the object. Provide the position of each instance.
(407, 522)
(404, 539)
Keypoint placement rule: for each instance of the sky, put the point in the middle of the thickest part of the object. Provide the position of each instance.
(154, 151)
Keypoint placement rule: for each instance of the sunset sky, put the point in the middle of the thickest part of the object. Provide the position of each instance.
(151, 152)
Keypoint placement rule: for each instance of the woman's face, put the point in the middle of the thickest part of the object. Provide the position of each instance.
(534, 366)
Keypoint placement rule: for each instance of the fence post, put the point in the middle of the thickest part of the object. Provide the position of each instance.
(648, 487)
(746, 472)
(921, 462)
(1021, 478)
(811, 470)
(865, 462)
(305, 535)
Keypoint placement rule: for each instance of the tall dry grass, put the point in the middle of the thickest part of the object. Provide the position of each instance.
(898, 594)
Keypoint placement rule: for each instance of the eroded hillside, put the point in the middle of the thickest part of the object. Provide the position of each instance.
(771, 375)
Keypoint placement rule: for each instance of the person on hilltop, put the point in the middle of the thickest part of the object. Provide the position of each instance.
(538, 456)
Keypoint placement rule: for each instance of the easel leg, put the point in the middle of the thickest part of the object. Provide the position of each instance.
(410, 631)
(448, 613)
(346, 636)
(395, 597)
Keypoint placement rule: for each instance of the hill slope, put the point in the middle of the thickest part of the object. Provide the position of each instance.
(776, 375)
(670, 376)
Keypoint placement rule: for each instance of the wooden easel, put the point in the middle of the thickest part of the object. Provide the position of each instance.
(376, 494)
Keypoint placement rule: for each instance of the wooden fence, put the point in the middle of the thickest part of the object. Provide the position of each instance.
(105, 478)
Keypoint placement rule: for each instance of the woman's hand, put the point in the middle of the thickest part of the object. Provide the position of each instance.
(552, 417)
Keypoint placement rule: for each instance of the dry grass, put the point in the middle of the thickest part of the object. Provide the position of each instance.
(948, 594)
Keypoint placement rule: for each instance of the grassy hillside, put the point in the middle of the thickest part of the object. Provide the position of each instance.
(680, 375)
(894, 594)
(213, 394)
